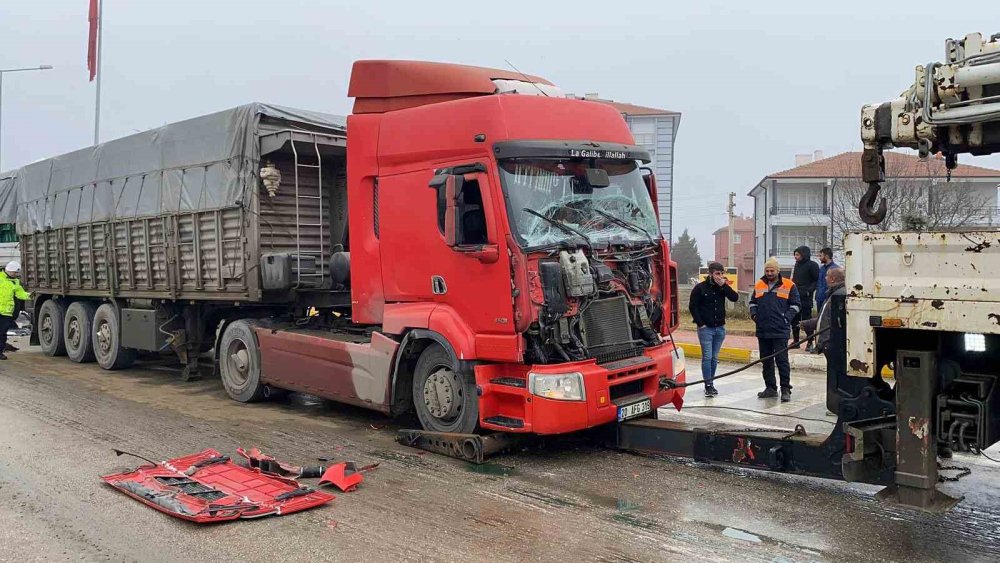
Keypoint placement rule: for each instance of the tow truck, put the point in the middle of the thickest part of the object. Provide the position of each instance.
(926, 305)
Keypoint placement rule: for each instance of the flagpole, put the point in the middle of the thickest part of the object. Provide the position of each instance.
(100, 56)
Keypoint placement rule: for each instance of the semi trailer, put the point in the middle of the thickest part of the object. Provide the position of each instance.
(469, 244)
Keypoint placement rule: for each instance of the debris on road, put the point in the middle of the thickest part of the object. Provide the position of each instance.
(208, 487)
(346, 475)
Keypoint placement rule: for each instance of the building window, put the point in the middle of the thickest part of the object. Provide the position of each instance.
(800, 200)
(790, 238)
(737, 238)
(644, 139)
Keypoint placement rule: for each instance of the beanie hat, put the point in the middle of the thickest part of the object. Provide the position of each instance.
(772, 262)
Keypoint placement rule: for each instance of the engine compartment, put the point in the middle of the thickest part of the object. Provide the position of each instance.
(606, 306)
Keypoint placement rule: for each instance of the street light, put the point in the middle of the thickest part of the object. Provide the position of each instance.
(2, 71)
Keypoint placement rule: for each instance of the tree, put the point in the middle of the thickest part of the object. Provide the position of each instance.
(685, 253)
(918, 195)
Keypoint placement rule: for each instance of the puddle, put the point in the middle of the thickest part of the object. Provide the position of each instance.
(623, 505)
(740, 535)
(493, 469)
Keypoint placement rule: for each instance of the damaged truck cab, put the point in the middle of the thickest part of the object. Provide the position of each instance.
(473, 245)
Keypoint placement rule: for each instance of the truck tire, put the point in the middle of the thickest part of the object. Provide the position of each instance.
(445, 400)
(77, 327)
(106, 336)
(239, 362)
(50, 328)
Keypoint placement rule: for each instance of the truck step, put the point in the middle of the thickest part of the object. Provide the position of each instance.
(510, 382)
(505, 421)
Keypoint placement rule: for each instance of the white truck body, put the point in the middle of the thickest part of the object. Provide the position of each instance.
(935, 281)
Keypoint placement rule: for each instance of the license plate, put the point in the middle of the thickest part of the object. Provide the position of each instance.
(635, 409)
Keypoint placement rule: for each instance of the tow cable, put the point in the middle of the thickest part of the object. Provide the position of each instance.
(667, 383)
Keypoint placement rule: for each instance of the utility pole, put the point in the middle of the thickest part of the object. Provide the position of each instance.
(731, 208)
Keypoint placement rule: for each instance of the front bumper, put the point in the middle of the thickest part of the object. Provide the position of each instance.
(506, 404)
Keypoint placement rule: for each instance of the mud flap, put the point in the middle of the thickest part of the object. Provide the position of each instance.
(207, 487)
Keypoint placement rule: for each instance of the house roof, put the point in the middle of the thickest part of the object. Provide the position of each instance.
(632, 109)
(897, 164)
(740, 225)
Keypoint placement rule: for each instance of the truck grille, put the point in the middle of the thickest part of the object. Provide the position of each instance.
(608, 331)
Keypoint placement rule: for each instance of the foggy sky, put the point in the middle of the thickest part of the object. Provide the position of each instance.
(756, 82)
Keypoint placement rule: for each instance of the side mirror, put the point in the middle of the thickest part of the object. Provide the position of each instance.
(650, 180)
(452, 209)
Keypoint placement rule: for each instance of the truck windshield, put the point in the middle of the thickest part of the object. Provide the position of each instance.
(559, 189)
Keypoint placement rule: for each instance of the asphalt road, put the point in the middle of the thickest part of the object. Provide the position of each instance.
(564, 500)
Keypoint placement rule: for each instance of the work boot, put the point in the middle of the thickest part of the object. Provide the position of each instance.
(786, 395)
(3, 356)
(10, 348)
(767, 394)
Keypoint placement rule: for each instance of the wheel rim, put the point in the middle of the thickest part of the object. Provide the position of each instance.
(74, 334)
(104, 338)
(238, 362)
(45, 329)
(443, 394)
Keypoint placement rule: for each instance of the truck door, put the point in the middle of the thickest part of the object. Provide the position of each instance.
(418, 213)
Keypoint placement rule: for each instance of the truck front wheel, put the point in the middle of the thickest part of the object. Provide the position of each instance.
(239, 362)
(50, 328)
(445, 399)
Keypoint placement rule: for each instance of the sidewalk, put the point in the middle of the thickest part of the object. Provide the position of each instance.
(744, 349)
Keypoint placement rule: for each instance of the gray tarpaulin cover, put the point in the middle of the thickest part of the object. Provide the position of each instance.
(204, 163)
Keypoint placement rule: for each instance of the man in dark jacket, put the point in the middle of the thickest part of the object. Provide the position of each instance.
(826, 264)
(708, 310)
(805, 274)
(773, 305)
(835, 286)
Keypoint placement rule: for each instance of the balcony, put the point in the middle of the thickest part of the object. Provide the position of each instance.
(800, 210)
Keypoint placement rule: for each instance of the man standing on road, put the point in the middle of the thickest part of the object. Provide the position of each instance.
(10, 289)
(708, 310)
(826, 264)
(805, 274)
(834, 280)
(773, 305)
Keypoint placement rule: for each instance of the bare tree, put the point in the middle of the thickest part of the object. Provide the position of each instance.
(919, 197)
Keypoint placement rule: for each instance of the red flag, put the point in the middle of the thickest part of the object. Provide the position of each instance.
(92, 40)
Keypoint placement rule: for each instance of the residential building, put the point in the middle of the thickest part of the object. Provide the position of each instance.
(815, 203)
(655, 130)
(742, 250)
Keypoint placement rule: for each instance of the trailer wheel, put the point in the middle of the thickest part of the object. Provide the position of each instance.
(77, 327)
(445, 399)
(239, 362)
(106, 336)
(50, 328)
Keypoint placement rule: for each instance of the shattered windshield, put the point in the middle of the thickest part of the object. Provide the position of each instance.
(559, 190)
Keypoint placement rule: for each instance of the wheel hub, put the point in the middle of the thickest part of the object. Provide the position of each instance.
(443, 394)
(104, 337)
(74, 335)
(45, 330)
(239, 361)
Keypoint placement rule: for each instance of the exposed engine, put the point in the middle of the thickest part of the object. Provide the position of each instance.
(605, 307)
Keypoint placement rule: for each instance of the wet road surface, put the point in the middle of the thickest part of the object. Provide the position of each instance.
(564, 500)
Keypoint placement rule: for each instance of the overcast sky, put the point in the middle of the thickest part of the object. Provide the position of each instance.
(756, 82)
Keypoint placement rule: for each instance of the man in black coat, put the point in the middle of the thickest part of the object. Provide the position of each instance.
(708, 310)
(805, 275)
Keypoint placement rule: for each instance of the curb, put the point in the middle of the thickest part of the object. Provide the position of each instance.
(739, 355)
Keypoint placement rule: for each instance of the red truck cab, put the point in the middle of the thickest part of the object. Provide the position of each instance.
(507, 243)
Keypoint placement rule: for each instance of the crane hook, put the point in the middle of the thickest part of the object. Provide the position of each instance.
(866, 207)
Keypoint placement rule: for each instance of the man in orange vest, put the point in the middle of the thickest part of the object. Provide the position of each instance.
(774, 304)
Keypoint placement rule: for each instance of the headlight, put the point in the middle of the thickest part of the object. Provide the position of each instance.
(560, 386)
(679, 361)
